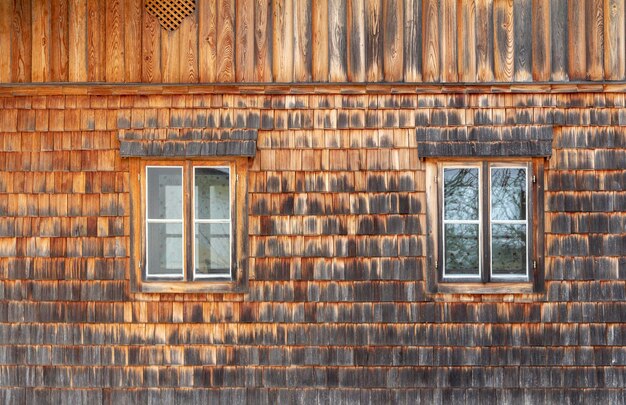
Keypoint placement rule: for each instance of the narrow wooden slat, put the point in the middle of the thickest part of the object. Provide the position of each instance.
(114, 34)
(77, 36)
(412, 41)
(319, 51)
(207, 41)
(355, 18)
(150, 49)
(6, 16)
(393, 40)
(41, 40)
(170, 56)
(262, 40)
(96, 36)
(541, 40)
(302, 41)
(21, 53)
(189, 49)
(226, 41)
(337, 40)
(594, 24)
(577, 65)
(133, 12)
(430, 44)
(484, 40)
(282, 48)
(245, 40)
(522, 13)
(374, 40)
(59, 34)
(466, 40)
(614, 40)
(503, 51)
(559, 40)
(448, 41)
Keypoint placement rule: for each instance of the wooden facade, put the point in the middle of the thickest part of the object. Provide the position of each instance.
(337, 308)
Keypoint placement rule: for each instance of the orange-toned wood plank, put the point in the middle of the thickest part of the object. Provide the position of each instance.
(6, 17)
(96, 36)
(189, 49)
(448, 32)
(466, 40)
(59, 46)
(430, 38)
(282, 48)
(226, 41)
(207, 41)
(41, 40)
(151, 49)
(374, 40)
(577, 47)
(412, 41)
(541, 40)
(114, 41)
(21, 45)
(262, 41)
(356, 40)
(133, 12)
(319, 47)
(170, 56)
(393, 40)
(337, 40)
(594, 16)
(614, 40)
(503, 47)
(302, 41)
(559, 40)
(245, 41)
(77, 36)
(484, 40)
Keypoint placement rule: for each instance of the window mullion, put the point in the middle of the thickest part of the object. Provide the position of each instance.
(188, 181)
(486, 223)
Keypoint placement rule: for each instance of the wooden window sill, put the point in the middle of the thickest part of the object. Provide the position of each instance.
(485, 288)
(226, 287)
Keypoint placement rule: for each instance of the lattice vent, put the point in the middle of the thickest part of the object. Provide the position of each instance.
(170, 13)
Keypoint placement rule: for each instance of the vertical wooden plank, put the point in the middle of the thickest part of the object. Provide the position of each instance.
(282, 19)
(245, 40)
(577, 65)
(503, 47)
(374, 40)
(522, 28)
(21, 53)
(77, 36)
(170, 56)
(114, 41)
(541, 40)
(151, 49)
(59, 41)
(614, 48)
(448, 30)
(189, 49)
(559, 40)
(430, 35)
(337, 40)
(41, 40)
(466, 40)
(96, 35)
(133, 12)
(319, 51)
(484, 40)
(355, 18)
(393, 40)
(6, 16)
(302, 41)
(226, 41)
(594, 16)
(207, 41)
(413, 41)
(262, 41)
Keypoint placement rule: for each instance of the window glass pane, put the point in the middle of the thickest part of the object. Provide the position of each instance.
(165, 248)
(461, 193)
(461, 249)
(508, 249)
(508, 193)
(164, 197)
(212, 195)
(212, 249)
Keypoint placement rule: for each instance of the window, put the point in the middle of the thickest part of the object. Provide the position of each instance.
(188, 223)
(482, 223)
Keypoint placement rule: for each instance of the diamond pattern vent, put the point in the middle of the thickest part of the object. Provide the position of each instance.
(170, 13)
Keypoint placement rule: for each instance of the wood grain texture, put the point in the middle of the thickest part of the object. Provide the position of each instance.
(41, 11)
(283, 51)
(393, 40)
(77, 36)
(262, 41)
(594, 25)
(412, 40)
(484, 40)
(337, 41)
(6, 18)
(541, 40)
(466, 40)
(448, 41)
(114, 34)
(245, 41)
(504, 48)
(59, 46)
(302, 40)
(96, 41)
(189, 49)
(430, 37)
(170, 56)
(374, 40)
(319, 51)
(577, 49)
(614, 40)
(356, 40)
(207, 41)
(226, 41)
(559, 40)
(150, 49)
(21, 42)
(133, 25)
(522, 34)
